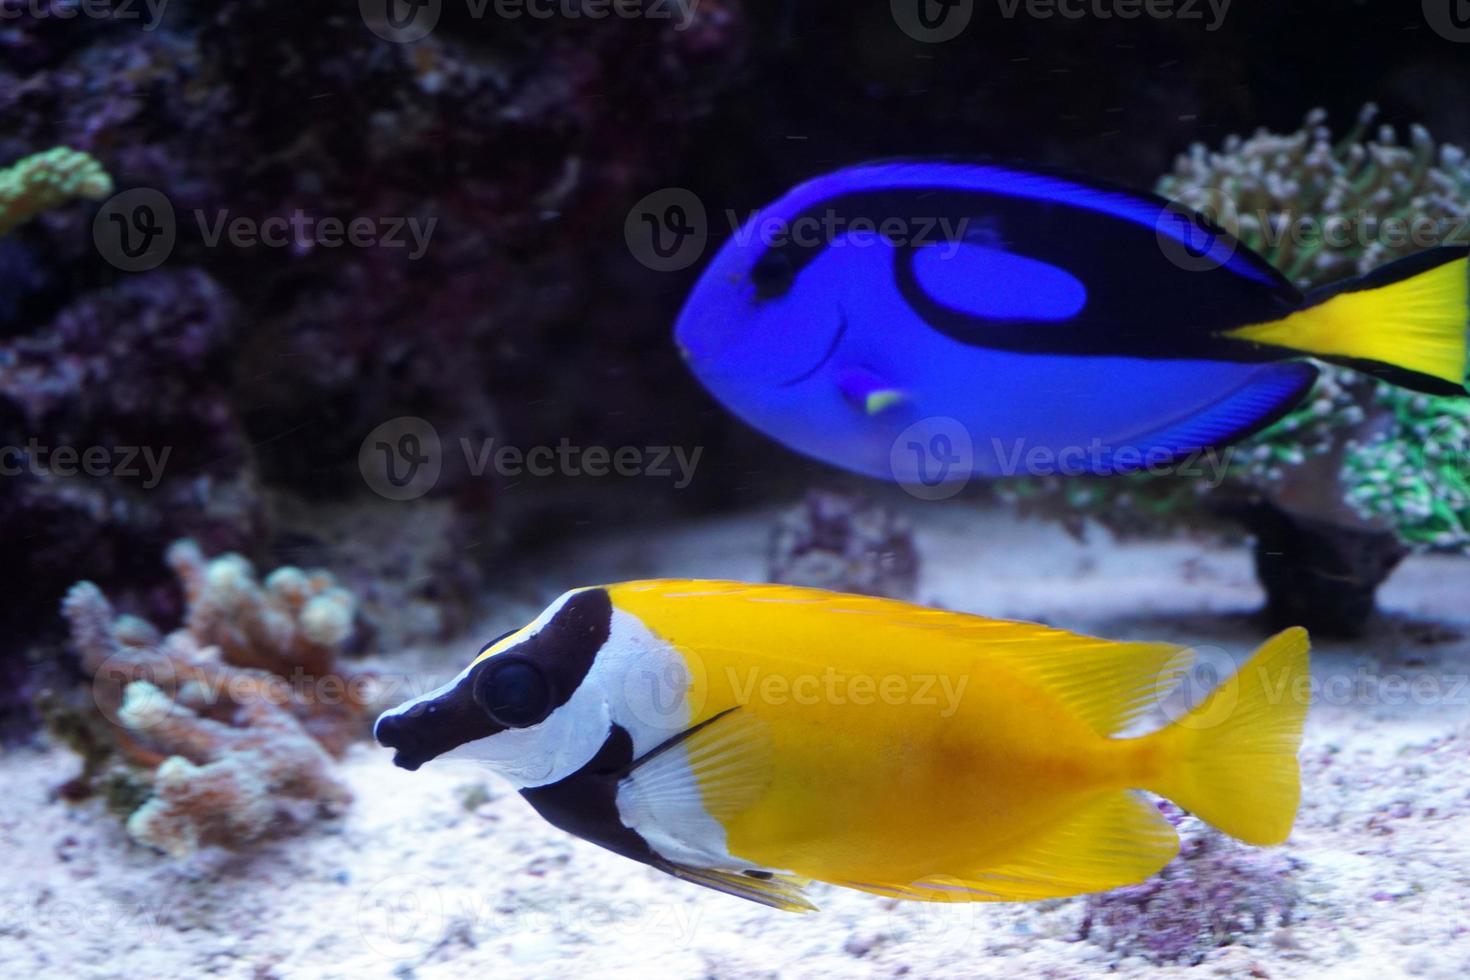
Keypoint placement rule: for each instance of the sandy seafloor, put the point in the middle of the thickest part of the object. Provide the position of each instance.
(447, 873)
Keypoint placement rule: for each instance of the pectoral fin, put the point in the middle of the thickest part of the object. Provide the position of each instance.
(869, 392)
(679, 796)
(719, 768)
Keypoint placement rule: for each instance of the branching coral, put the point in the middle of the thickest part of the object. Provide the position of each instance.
(1347, 192)
(835, 541)
(225, 783)
(45, 180)
(297, 622)
(238, 712)
(405, 564)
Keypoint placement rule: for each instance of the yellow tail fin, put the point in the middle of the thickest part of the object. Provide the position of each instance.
(1232, 759)
(1406, 322)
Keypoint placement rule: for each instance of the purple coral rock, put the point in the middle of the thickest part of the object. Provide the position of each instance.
(844, 543)
(1215, 893)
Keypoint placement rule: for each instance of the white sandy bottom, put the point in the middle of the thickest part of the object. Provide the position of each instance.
(415, 883)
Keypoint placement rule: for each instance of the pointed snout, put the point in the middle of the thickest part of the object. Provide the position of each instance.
(398, 732)
(430, 726)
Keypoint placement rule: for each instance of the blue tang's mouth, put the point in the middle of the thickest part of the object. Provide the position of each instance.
(831, 350)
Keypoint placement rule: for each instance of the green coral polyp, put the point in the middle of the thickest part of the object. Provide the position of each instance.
(47, 180)
(1416, 474)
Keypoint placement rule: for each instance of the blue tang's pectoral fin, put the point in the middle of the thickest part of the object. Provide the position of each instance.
(1269, 394)
(868, 391)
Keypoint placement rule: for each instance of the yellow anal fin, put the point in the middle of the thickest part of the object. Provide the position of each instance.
(1113, 840)
(775, 891)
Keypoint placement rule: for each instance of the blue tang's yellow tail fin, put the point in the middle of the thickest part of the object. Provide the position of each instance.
(1405, 322)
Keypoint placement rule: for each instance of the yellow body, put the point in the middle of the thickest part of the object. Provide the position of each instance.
(925, 753)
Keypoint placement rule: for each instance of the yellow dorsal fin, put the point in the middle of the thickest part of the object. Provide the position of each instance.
(1113, 840)
(1106, 683)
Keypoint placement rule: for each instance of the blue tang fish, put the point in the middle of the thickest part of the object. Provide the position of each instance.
(1056, 325)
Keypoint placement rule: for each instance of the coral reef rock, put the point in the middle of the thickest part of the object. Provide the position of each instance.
(840, 542)
(489, 157)
(238, 713)
(1213, 894)
(1317, 574)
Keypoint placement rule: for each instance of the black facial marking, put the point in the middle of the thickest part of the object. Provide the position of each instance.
(431, 728)
(552, 665)
(773, 274)
(566, 647)
(586, 802)
(496, 640)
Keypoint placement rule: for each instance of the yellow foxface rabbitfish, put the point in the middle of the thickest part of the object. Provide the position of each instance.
(752, 738)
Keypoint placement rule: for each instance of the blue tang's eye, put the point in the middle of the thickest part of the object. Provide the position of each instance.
(772, 274)
(514, 693)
